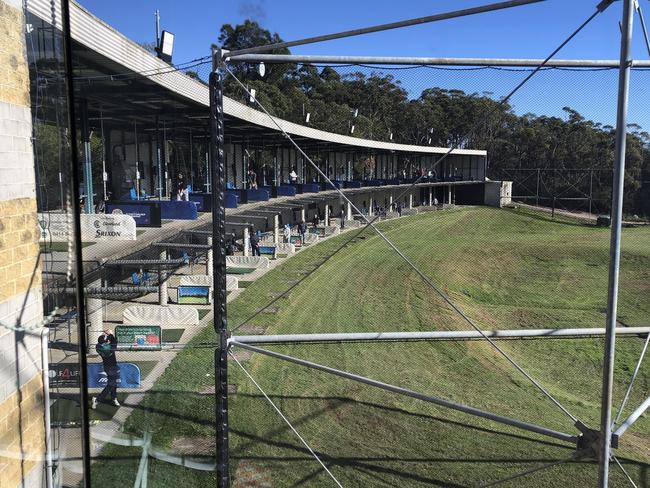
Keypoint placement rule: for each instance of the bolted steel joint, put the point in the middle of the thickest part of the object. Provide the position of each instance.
(588, 444)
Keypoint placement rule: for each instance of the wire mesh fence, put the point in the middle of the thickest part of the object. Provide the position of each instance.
(347, 212)
(427, 444)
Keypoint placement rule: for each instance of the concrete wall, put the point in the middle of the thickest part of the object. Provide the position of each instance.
(498, 193)
(21, 389)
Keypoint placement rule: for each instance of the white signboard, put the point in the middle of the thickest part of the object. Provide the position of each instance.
(94, 227)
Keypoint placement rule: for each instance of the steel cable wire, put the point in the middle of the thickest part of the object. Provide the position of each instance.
(528, 472)
(634, 375)
(425, 278)
(370, 222)
(286, 420)
(629, 478)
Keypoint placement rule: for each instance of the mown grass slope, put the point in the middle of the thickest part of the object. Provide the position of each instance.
(506, 269)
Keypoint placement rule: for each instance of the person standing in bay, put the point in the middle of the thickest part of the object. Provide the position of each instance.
(106, 347)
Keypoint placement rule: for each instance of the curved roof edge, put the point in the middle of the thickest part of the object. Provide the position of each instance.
(100, 37)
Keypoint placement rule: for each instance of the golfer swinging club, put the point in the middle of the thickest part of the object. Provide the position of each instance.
(106, 346)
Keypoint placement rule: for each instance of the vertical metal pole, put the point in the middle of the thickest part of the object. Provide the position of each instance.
(78, 261)
(89, 205)
(245, 168)
(615, 244)
(219, 286)
(163, 289)
(46, 403)
(591, 187)
(159, 160)
(157, 16)
(104, 174)
(210, 264)
(537, 189)
(137, 158)
(61, 186)
(165, 161)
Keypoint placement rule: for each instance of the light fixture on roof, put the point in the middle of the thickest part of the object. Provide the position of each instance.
(252, 93)
(307, 117)
(390, 137)
(352, 129)
(166, 46)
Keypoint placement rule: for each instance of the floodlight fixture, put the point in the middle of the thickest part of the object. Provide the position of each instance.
(352, 129)
(261, 69)
(252, 93)
(166, 46)
(307, 117)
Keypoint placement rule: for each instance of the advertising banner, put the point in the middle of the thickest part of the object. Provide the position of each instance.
(145, 213)
(296, 241)
(66, 375)
(138, 336)
(57, 227)
(129, 376)
(188, 295)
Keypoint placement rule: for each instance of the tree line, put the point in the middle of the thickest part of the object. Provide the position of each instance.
(380, 108)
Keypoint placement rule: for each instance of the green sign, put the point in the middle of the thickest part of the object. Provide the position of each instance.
(138, 336)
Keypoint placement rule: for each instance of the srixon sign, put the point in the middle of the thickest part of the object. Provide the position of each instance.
(57, 227)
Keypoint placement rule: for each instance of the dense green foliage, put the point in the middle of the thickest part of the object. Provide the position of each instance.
(437, 116)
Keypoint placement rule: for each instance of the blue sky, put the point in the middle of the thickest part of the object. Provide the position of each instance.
(531, 31)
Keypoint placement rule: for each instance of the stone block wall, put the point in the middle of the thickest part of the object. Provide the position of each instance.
(21, 389)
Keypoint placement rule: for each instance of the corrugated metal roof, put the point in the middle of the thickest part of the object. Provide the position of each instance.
(100, 37)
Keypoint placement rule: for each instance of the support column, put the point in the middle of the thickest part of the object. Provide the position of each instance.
(163, 293)
(247, 242)
(449, 195)
(210, 263)
(348, 212)
(327, 215)
(74, 184)
(604, 453)
(410, 200)
(390, 203)
(95, 312)
(302, 215)
(370, 211)
(219, 285)
(276, 229)
(430, 196)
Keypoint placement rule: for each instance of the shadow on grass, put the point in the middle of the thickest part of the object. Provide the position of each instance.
(335, 403)
(543, 217)
(371, 466)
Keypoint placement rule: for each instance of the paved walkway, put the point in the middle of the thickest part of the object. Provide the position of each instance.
(589, 217)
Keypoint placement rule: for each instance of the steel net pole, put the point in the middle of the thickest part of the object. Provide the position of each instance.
(615, 244)
(219, 274)
(74, 184)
